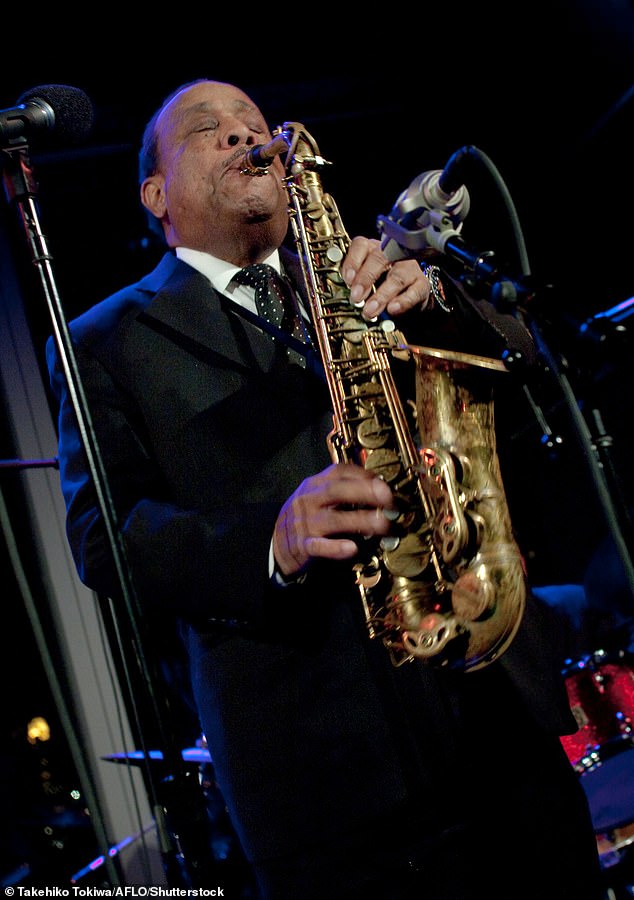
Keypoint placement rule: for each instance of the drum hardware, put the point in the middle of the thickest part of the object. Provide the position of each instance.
(613, 844)
(52, 463)
(224, 858)
(600, 690)
(195, 755)
(113, 851)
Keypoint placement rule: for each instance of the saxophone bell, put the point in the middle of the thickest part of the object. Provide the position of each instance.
(258, 159)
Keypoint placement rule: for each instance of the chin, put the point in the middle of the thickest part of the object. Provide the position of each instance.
(257, 217)
(262, 213)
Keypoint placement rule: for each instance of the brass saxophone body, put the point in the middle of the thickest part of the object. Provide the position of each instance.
(447, 586)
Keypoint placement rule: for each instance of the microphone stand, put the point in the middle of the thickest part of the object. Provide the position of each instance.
(509, 291)
(183, 841)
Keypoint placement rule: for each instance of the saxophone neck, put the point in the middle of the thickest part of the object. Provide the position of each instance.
(303, 152)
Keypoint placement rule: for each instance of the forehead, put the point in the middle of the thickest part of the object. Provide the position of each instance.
(207, 97)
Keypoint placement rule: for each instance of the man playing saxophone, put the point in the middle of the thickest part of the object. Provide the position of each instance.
(345, 776)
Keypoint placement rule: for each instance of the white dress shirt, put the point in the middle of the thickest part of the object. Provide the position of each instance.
(220, 274)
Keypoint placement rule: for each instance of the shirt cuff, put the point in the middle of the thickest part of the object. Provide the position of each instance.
(276, 576)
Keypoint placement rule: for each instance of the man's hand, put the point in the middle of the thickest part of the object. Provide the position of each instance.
(342, 500)
(403, 287)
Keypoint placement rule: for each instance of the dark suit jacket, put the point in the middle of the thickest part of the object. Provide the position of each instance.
(205, 429)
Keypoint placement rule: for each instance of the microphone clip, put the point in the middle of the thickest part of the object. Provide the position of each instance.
(424, 216)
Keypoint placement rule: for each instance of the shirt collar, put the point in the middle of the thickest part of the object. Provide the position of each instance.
(219, 271)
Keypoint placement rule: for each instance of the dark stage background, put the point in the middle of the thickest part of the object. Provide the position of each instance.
(548, 96)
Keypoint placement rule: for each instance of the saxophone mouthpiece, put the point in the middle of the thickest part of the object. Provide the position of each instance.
(258, 159)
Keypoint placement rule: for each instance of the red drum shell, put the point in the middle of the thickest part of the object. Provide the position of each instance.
(601, 694)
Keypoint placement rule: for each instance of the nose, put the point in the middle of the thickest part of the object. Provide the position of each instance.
(234, 133)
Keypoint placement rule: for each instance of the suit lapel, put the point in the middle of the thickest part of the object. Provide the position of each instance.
(188, 310)
(293, 269)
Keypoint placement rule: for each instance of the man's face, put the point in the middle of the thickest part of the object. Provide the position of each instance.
(198, 190)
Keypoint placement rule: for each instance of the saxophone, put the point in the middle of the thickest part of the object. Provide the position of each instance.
(447, 585)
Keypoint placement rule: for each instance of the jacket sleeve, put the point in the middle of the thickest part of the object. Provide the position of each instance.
(171, 552)
(471, 325)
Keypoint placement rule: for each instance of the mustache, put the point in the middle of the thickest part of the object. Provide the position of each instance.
(237, 154)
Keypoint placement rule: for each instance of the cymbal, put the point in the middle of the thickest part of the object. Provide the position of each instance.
(198, 755)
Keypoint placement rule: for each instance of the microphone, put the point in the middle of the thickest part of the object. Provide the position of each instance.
(51, 108)
(450, 179)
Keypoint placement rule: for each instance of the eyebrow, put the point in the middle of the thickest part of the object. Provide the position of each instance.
(203, 106)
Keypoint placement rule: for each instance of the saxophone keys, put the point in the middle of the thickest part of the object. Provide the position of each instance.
(334, 253)
(368, 574)
(421, 630)
(371, 434)
(367, 395)
(314, 210)
(353, 330)
(384, 463)
(432, 638)
(409, 558)
(473, 598)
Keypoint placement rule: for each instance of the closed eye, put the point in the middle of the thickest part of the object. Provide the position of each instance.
(202, 123)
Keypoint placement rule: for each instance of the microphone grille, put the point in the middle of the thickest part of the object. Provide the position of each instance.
(73, 109)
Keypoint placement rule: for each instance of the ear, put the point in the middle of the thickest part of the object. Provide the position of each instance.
(153, 195)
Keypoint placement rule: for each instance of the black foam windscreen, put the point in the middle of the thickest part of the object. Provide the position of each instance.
(73, 110)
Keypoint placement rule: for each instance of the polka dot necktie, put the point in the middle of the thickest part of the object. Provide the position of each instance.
(273, 302)
(268, 297)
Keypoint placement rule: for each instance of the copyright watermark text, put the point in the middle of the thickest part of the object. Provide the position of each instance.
(129, 891)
